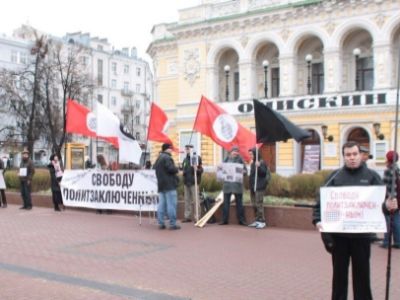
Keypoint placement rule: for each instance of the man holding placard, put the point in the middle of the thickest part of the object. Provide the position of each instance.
(348, 210)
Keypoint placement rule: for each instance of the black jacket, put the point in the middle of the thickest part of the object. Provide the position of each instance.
(263, 175)
(188, 171)
(55, 187)
(166, 172)
(361, 176)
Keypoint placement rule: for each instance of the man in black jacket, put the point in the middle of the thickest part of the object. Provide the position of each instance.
(354, 246)
(167, 181)
(257, 186)
(191, 164)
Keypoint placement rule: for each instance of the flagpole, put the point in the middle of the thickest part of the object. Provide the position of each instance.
(391, 217)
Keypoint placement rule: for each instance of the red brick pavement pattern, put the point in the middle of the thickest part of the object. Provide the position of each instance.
(216, 262)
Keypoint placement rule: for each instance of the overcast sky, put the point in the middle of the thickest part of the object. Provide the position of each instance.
(125, 23)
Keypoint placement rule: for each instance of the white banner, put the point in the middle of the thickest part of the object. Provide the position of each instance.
(122, 190)
(353, 209)
(2, 182)
(230, 172)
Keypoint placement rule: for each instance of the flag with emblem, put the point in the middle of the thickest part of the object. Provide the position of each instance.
(222, 128)
(80, 120)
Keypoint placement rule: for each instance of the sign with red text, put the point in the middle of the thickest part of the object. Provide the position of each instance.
(353, 209)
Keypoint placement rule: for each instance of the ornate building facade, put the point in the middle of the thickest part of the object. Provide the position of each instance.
(330, 66)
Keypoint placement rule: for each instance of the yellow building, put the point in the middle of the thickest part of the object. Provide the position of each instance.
(328, 66)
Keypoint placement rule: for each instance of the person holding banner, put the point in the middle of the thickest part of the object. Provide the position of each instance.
(56, 174)
(391, 205)
(3, 184)
(191, 164)
(257, 186)
(167, 181)
(26, 172)
(349, 246)
(234, 187)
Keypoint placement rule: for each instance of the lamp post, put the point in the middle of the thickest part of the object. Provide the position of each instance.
(308, 60)
(265, 64)
(227, 68)
(356, 53)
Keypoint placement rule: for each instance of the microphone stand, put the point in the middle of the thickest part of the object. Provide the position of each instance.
(394, 176)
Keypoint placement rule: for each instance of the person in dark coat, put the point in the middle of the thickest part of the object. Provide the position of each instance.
(167, 181)
(3, 182)
(235, 188)
(350, 246)
(392, 202)
(257, 190)
(55, 178)
(26, 172)
(189, 163)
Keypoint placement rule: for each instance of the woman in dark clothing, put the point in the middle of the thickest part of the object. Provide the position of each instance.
(55, 178)
(3, 184)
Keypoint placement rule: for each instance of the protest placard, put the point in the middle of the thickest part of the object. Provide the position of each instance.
(353, 209)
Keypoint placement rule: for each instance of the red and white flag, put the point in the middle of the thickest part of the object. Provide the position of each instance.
(109, 125)
(81, 120)
(222, 128)
(158, 125)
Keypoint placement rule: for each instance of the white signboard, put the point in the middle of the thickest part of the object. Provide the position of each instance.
(230, 172)
(353, 209)
(122, 190)
(2, 182)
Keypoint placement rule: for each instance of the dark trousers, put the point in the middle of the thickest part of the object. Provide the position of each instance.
(57, 198)
(3, 197)
(359, 251)
(26, 194)
(239, 208)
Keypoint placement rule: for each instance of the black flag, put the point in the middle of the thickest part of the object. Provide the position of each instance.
(271, 126)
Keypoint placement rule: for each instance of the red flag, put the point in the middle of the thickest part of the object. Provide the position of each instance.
(157, 125)
(82, 121)
(222, 128)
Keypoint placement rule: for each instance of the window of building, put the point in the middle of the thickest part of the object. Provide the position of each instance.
(85, 60)
(317, 84)
(138, 71)
(14, 56)
(85, 99)
(126, 69)
(100, 98)
(236, 86)
(365, 73)
(114, 83)
(100, 47)
(23, 59)
(114, 68)
(126, 119)
(137, 136)
(99, 72)
(137, 88)
(113, 101)
(274, 82)
(126, 86)
(137, 104)
(137, 120)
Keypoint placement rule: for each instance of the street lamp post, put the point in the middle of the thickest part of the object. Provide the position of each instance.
(308, 60)
(356, 53)
(227, 68)
(265, 64)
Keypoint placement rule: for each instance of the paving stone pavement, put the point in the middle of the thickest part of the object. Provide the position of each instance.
(83, 255)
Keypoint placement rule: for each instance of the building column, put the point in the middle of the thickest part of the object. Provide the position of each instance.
(332, 70)
(246, 80)
(212, 83)
(288, 75)
(383, 66)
